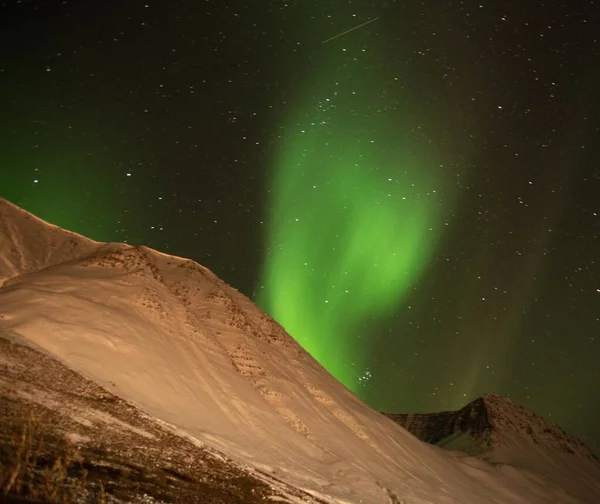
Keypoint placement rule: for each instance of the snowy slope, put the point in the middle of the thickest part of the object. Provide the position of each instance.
(170, 337)
(128, 456)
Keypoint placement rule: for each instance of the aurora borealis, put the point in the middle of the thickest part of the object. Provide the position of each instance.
(352, 224)
(416, 201)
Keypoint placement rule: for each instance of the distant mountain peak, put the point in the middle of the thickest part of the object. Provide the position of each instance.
(491, 422)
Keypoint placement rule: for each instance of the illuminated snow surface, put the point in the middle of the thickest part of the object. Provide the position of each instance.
(168, 336)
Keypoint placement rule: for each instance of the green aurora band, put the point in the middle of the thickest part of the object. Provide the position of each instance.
(354, 218)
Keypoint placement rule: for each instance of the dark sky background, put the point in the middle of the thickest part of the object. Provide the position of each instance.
(417, 200)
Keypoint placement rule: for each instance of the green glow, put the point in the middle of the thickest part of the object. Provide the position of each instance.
(63, 190)
(353, 217)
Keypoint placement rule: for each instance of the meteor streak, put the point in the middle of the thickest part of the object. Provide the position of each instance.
(351, 29)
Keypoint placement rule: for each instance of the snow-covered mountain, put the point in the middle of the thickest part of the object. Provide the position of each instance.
(168, 337)
(486, 426)
(503, 433)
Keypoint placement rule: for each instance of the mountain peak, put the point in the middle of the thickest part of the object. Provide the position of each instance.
(497, 430)
(490, 423)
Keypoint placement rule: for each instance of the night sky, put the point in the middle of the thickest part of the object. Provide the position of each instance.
(417, 200)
